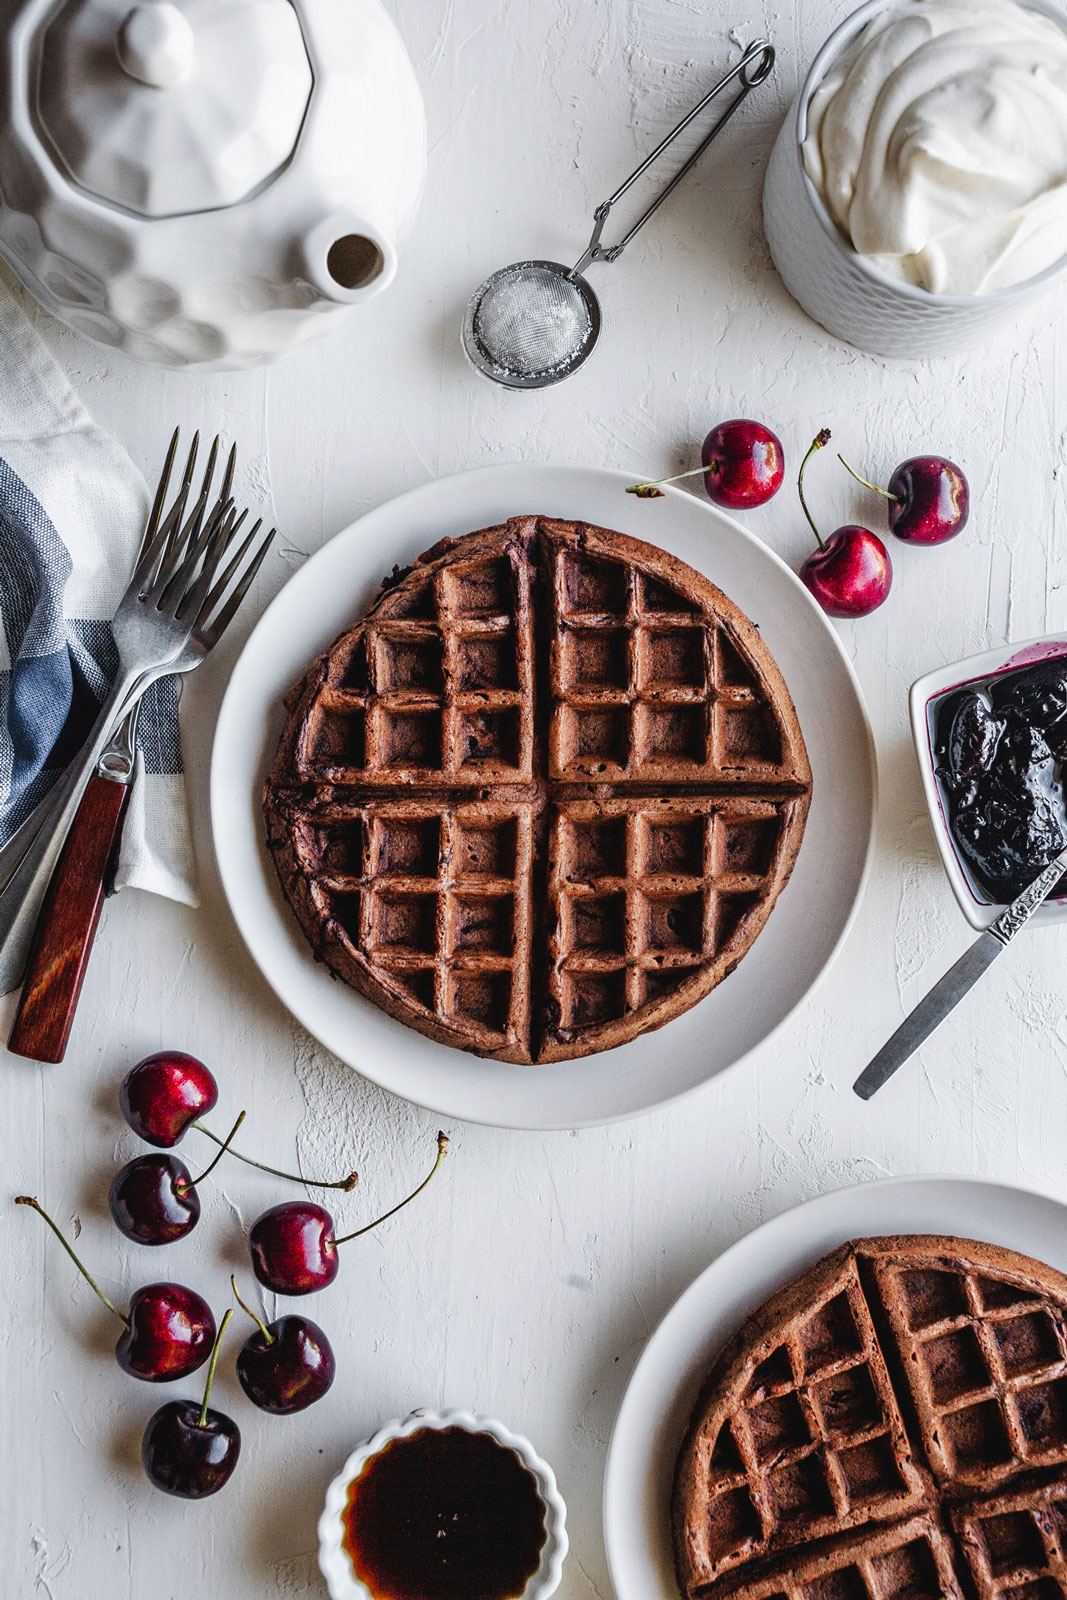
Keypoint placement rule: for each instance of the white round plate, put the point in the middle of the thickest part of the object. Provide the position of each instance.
(335, 586)
(663, 1389)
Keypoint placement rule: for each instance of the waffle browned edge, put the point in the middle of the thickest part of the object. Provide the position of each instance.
(761, 1333)
(281, 785)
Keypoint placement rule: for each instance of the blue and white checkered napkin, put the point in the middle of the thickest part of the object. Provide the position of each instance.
(72, 512)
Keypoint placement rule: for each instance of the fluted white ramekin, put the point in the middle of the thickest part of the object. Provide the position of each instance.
(842, 289)
(334, 1563)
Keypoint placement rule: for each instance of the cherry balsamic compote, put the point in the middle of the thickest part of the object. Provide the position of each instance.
(999, 747)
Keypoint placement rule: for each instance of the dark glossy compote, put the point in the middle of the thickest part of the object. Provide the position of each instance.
(443, 1514)
(999, 745)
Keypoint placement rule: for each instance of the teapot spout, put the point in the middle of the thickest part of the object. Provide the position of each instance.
(348, 258)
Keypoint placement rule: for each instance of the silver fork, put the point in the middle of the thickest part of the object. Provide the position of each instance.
(184, 593)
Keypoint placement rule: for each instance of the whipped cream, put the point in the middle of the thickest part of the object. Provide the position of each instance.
(938, 143)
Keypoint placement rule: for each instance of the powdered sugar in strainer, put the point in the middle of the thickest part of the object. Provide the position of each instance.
(535, 322)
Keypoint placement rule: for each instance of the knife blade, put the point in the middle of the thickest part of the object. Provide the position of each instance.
(960, 978)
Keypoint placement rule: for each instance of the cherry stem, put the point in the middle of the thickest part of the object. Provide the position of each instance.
(866, 484)
(648, 491)
(262, 1326)
(28, 1200)
(345, 1184)
(183, 1188)
(202, 1418)
(821, 438)
(442, 1151)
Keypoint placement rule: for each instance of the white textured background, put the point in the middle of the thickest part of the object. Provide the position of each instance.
(528, 1280)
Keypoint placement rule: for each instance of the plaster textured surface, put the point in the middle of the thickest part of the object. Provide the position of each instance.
(526, 1283)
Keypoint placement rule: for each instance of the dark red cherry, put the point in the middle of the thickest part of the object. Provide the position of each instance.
(744, 464)
(168, 1330)
(164, 1093)
(170, 1333)
(294, 1248)
(285, 1365)
(153, 1200)
(187, 1449)
(851, 574)
(187, 1457)
(931, 500)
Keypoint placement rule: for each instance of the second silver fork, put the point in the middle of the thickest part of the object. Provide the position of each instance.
(183, 594)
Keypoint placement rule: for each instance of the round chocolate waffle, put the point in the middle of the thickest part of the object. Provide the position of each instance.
(543, 797)
(890, 1426)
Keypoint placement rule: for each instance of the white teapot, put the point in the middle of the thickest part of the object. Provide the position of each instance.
(209, 182)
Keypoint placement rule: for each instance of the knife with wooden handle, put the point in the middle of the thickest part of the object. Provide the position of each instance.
(66, 928)
(960, 978)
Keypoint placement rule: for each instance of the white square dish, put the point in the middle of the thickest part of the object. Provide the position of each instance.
(979, 910)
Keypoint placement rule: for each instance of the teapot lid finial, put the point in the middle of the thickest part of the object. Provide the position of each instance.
(155, 44)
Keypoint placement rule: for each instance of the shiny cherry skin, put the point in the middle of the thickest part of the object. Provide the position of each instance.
(187, 1457)
(164, 1093)
(744, 464)
(290, 1370)
(293, 1250)
(852, 576)
(931, 500)
(152, 1200)
(170, 1334)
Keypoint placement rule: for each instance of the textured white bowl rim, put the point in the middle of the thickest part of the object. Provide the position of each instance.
(923, 690)
(334, 1563)
(834, 44)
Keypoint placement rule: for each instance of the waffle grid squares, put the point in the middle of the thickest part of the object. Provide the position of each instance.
(814, 1448)
(1017, 1543)
(646, 892)
(912, 1559)
(441, 901)
(641, 681)
(990, 1380)
(443, 694)
(439, 697)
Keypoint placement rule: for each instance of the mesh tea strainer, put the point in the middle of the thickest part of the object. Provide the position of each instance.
(535, 322)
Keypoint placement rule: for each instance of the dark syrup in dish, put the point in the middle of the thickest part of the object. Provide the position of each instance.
(444, 1514)
(999, 745)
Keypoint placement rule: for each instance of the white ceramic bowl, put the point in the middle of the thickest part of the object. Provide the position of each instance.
(334, 1563)
(974, 904)
(841, 289)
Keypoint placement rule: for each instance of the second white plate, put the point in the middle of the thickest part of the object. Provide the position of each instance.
(795, 947)
(663, 1389)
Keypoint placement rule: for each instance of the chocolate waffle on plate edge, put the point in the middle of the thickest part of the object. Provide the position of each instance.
(892, 1425)
(543, 796)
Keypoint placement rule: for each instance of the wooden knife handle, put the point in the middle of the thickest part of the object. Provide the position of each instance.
(66, 928)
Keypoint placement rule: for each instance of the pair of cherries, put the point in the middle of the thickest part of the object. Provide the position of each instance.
(849, 573)
(169, 1330)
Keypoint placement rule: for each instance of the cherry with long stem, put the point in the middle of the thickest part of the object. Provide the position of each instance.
(190, 1450)
(167, 1332)
(850, 572)
(294, 1248)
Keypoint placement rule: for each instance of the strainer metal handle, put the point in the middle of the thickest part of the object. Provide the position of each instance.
(754, 66)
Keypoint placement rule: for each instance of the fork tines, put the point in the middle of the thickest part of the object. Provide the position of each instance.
(179, 569)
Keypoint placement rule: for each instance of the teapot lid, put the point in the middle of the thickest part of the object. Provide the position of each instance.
(173, 106)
